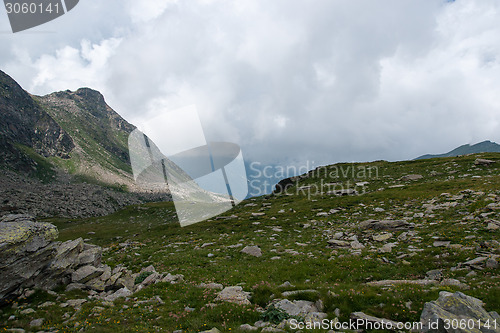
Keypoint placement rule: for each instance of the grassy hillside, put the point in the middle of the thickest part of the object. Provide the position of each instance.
(452, 208)
(99, 133)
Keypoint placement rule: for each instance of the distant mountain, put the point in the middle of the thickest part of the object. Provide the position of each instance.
(482, 147)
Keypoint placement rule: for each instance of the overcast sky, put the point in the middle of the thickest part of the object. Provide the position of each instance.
(290, 81)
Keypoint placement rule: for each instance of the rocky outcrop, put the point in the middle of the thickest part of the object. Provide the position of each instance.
(31, 258)
(26, 250)
(458, 313)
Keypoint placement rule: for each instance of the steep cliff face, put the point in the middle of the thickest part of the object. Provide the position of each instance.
(24, 122)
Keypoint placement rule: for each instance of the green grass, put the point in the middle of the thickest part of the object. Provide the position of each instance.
(139, 236)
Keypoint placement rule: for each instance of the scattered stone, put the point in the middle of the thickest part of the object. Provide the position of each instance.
(476, 261)
(454, 283)
(86, 273)
(412, 177)
(296, 308)
(252, 250)
(398, 282)
(248, 327)
(213, 330)
(338, 243)
(211, 285)
(387, 248)
(481, 161)
(234, 294)
(491, 263)
(386, 225)
(76, 303)
(356, 245)
(382, 237)
(27, 311)
(434, 274)
(441, 243)
(297, 292)
(37, 322)
(123, 292)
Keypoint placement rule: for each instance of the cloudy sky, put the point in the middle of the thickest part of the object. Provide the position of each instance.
(289, 80)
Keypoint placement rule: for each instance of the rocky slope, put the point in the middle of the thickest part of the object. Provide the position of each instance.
(414, 242)
(64, 154)
(24, 122)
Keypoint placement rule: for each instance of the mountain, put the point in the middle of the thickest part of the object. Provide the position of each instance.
(482, 147)
(64, 154)
(73, 131)
(98, 132)
(27, 132)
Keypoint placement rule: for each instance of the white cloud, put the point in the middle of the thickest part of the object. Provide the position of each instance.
(290, 80)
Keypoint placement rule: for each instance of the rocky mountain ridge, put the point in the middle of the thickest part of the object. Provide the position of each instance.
(64, 154)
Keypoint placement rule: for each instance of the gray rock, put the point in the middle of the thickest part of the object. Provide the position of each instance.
(26, 248)
(91, 256)
(211, 285)
(234, 294)
(412, 177)
(338, 243)
(67, 255)
(491, 263)
(296, 308)
(434, 274)
(86, 273)
(382, 237)
(151, 279)
(37, 322)
(481, 161)
(173, 278)
(252, 250)
(123, 292)
(457, 306)
(296, 292)
(386, 225)
(248, 327)
(441, 243)
(76, 303)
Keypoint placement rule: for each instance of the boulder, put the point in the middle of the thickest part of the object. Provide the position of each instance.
(252, 250)
(123, 292)
(67, 255)
(482, 161)
(91, 256)
(460, 307)
(234, 294)
(386, 225)
(26, 249)
(412, 177)
(86, 273)
(296, 308)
